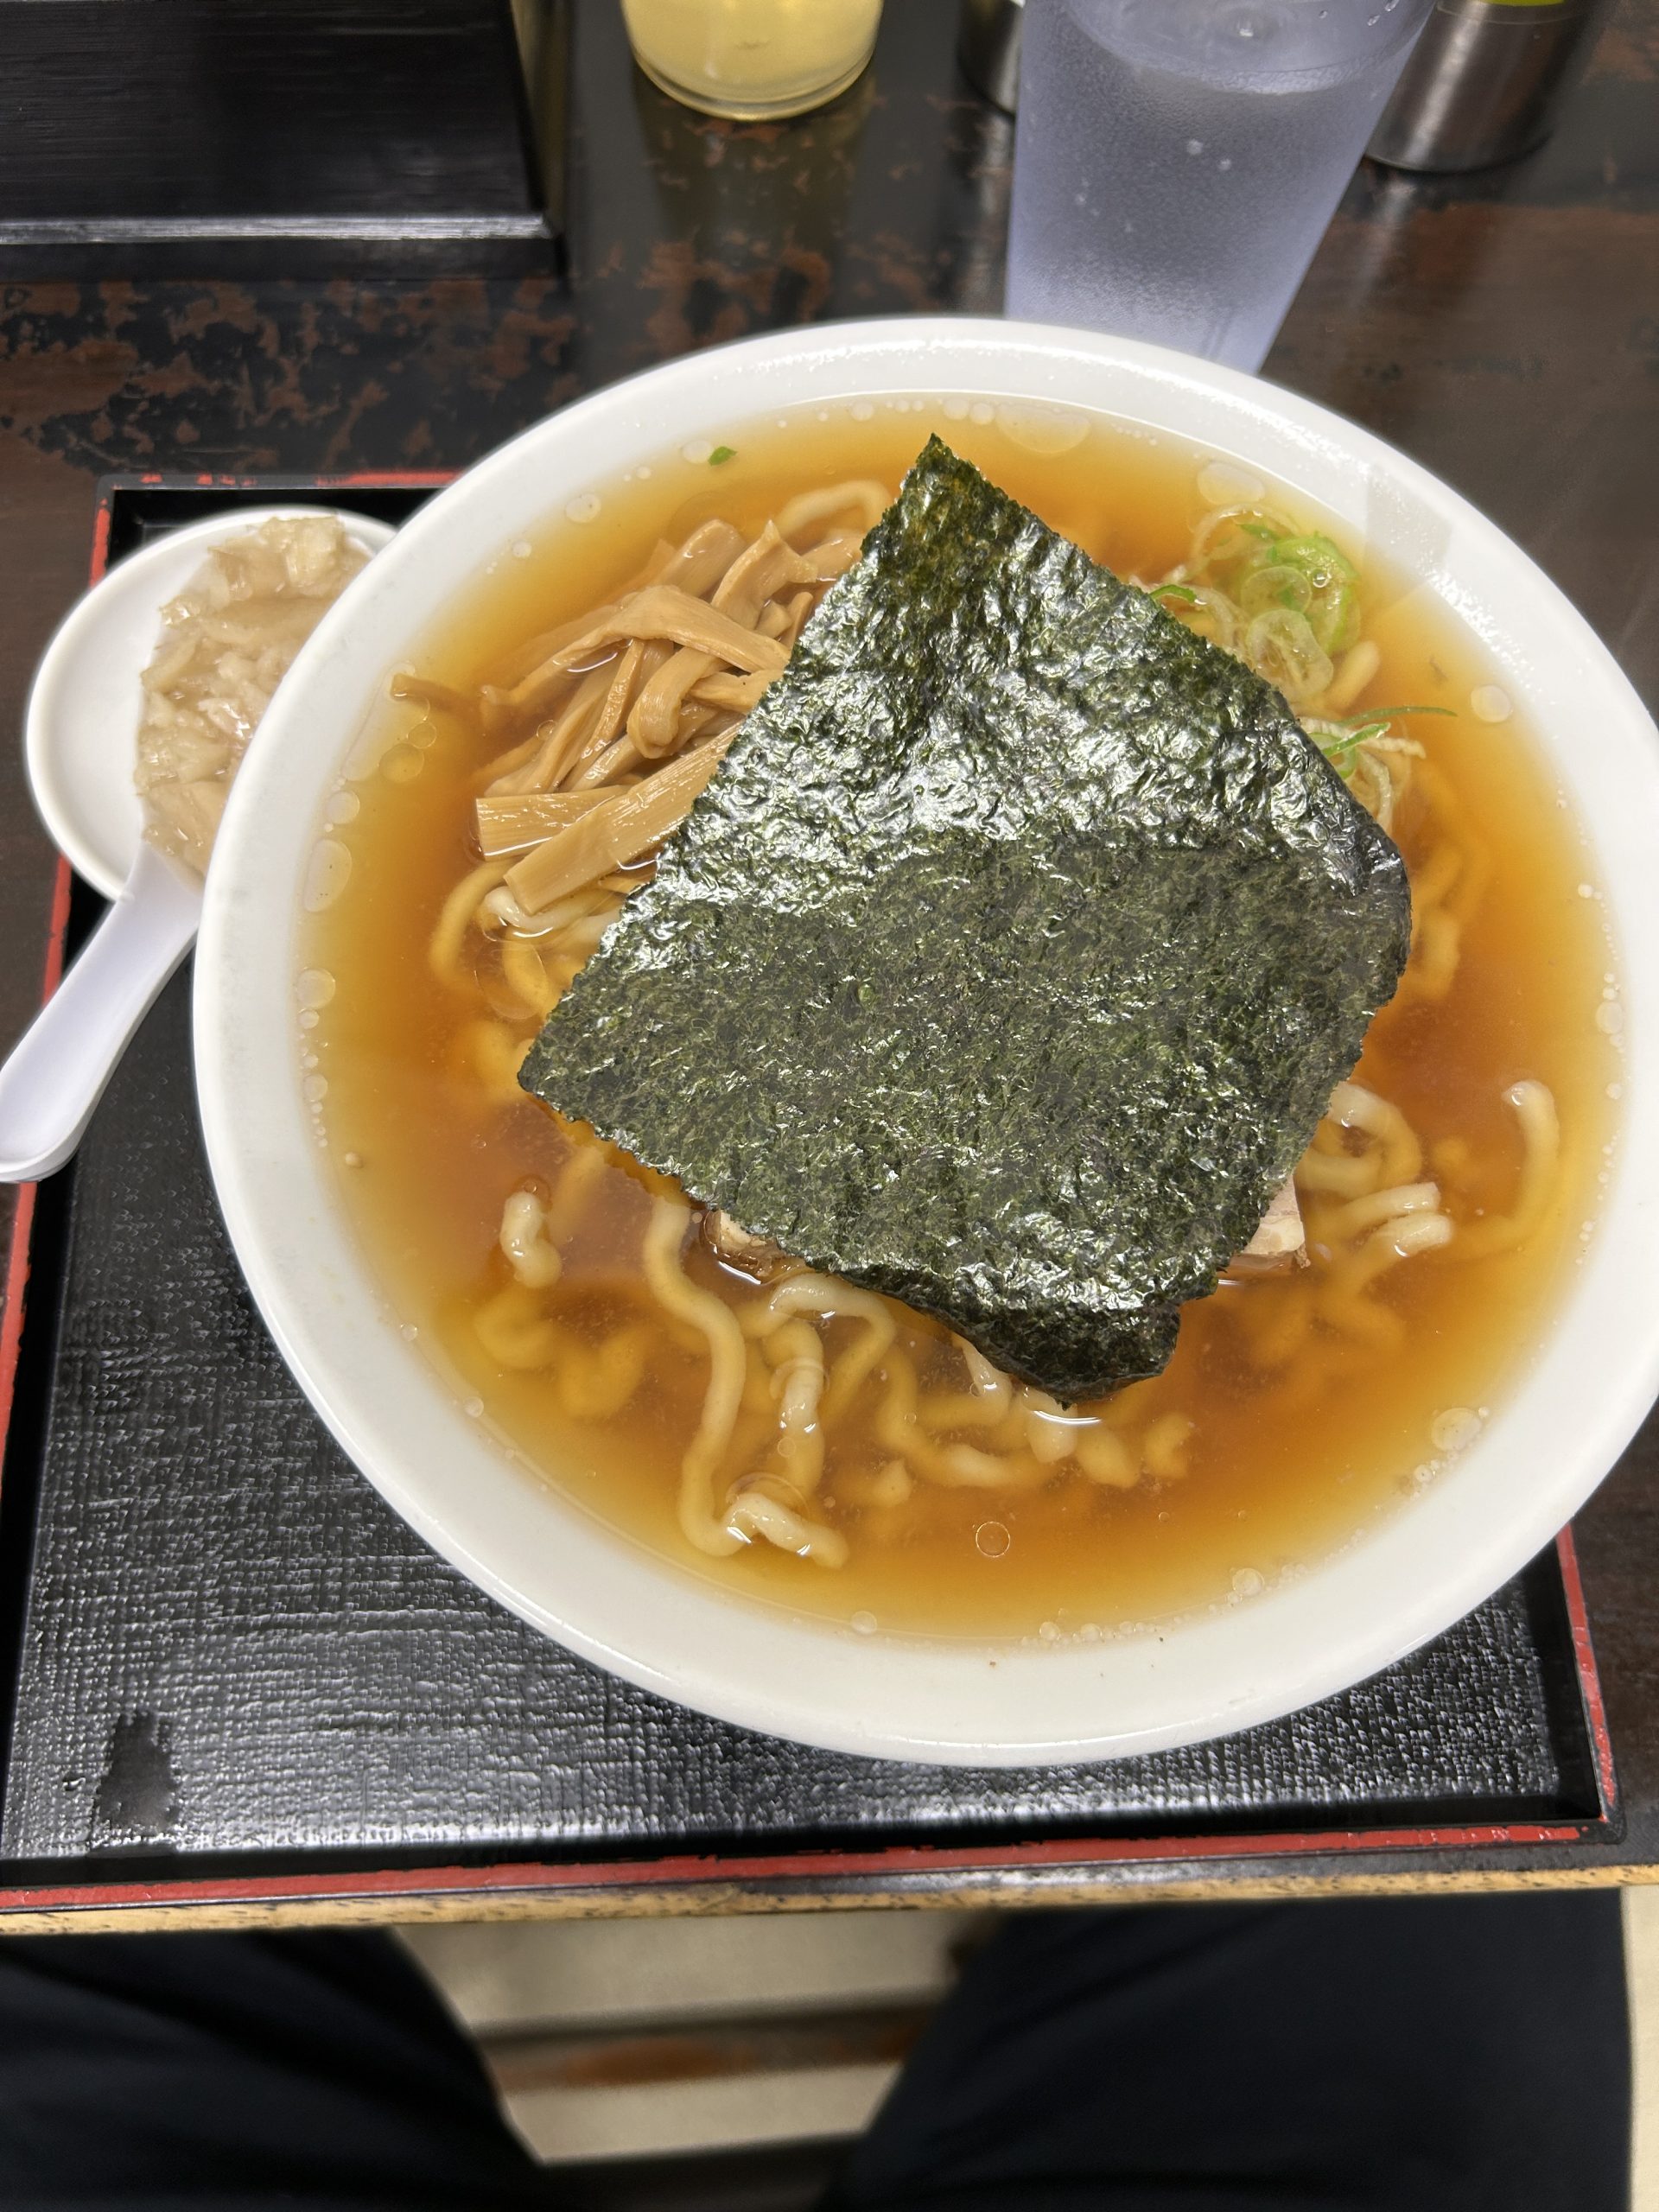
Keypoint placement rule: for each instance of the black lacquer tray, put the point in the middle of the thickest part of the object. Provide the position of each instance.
(233, 1672)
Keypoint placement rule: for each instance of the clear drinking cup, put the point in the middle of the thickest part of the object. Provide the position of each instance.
(754, 60)
(1176, 161)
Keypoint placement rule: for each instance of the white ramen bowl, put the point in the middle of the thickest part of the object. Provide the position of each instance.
(1553, 1437)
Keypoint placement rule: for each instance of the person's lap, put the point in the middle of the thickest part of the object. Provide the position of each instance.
(234, 2073)
(1349, 2057)
(1398, 2055)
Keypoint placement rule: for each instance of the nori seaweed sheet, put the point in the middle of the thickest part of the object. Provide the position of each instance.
(1008, 962)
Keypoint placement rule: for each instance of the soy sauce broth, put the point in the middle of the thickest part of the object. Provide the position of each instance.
(1281, 1467)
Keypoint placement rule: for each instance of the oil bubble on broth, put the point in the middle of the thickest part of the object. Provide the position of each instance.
(1444, 1197)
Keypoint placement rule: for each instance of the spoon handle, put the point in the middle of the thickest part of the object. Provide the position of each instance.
(57, 1075)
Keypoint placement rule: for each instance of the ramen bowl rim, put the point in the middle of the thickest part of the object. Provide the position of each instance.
(546, 1557)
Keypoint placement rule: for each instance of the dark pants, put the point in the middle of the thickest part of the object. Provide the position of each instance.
(1469, 2054)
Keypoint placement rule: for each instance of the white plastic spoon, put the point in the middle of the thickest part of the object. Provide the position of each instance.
(80, 741)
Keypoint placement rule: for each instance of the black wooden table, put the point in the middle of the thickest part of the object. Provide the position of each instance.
(233, 1684)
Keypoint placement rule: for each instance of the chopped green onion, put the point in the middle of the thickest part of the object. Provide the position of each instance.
(721, 453)
(1175, 591)
(1274, 584)
(1315, 551)
(1332, 610)
(1387, 714)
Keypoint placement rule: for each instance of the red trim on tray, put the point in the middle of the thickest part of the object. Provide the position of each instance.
(690, 1871)
(395, 479)
(1589, 1673)
(102, 525)
(13, 1297)
(11, 1311)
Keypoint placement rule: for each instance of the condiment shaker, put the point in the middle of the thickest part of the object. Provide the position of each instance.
(1485, 82)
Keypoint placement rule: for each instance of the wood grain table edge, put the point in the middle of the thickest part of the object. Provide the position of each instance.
(686, 1901)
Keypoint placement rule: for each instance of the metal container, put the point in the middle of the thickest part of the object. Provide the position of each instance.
(988, 46)
(1485, 81)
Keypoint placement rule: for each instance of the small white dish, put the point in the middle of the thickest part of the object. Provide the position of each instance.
(81, 746)
(1557, 1431)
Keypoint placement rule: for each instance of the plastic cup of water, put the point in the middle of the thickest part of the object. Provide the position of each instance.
(1177, 161)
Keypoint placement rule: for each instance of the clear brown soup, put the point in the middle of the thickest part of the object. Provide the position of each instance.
(1286, 1453)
